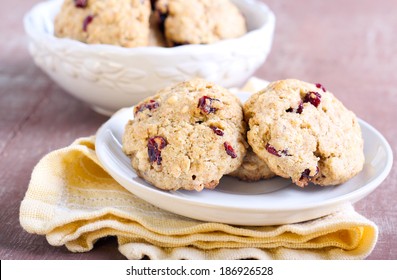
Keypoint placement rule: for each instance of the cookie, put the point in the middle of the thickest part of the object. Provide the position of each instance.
(199, 21)
(187, 136)
(252, 169)
(116, 22)
(303, 132)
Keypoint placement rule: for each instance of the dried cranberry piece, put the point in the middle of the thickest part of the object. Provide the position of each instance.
(80, 3)
(151, 105)
(306, 174)
(297, 110)
(285, 152)
(300, 108)
(229, 150)
(217, 130)
(313, 98)
(272, 150)
(87, 21)
(318, 85)
(154, 146)
(205, 104)
(275, 152)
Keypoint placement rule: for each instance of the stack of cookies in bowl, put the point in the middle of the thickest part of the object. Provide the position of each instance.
(131, 23)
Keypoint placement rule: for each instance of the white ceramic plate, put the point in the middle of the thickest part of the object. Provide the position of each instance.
(267, 202)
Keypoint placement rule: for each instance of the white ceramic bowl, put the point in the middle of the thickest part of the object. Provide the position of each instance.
(111, 77)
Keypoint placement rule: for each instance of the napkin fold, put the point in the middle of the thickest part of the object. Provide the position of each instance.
(74, 202)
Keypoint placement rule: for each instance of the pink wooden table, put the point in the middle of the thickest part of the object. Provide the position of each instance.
(349, 46)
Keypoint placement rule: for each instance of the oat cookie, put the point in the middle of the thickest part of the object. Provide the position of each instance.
(187, 136)
(199, 21)
(252, 169)
(116, 22)
(303, 132)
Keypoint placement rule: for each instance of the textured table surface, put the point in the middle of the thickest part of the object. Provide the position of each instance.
(349, 46)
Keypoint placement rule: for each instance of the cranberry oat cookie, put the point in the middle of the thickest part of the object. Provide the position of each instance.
(199, 21)
(303, 132)
(116, 22)
(252, 169)
(186, 136)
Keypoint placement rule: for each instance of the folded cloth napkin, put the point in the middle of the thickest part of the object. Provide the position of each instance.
(73, 201)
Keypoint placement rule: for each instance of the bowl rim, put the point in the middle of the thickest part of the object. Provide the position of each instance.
(39, 34)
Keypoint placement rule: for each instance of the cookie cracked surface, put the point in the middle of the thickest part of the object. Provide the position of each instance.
(187, 136)
(304, 133)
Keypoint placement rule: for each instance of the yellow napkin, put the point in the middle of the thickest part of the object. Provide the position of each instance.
(73, 201)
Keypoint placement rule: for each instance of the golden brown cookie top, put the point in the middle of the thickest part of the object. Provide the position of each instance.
(303, 132)
(186, 136)
(199, 21)
(116, 22)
